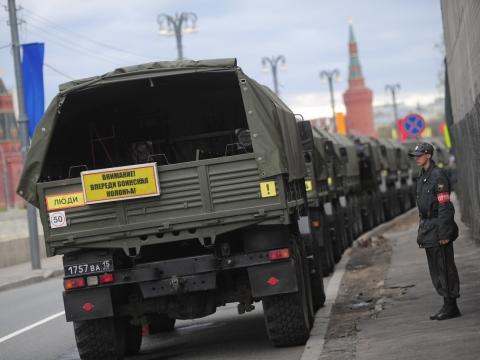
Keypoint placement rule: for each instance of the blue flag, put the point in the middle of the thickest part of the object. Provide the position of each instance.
(32, 71)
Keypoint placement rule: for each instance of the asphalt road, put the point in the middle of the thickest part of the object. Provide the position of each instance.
(36, 310)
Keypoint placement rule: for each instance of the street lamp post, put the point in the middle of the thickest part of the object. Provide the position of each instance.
(23, 125)
(184, 22)
(393, 89)
(6, 183)
(273, 62)
(330, 75)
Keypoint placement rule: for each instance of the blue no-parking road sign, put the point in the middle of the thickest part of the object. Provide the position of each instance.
(414, 124)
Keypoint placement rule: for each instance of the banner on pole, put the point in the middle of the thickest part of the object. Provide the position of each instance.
(32, 71)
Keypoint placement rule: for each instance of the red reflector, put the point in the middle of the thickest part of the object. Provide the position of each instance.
(279, 254)
(316, 223)
(105, 278)
(74, 283)
(87, 307)
(273, 281)
(145, 330)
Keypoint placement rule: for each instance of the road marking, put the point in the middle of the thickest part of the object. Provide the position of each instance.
(30, 327)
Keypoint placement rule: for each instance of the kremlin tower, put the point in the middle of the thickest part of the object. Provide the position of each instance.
(358, 98)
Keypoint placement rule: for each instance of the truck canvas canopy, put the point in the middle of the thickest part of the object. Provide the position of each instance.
(166, 112)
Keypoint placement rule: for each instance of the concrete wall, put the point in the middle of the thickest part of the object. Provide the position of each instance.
(462, 44)
(14, 240)
(17, 251)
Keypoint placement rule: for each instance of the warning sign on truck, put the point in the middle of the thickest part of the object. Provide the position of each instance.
(120, 183)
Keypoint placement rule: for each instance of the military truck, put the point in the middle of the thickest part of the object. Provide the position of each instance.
(318, 162)
(389, 175)
(343, 183)
(404, 176)
(369, 156)
(170, 189)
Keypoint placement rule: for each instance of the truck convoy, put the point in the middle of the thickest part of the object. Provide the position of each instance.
(173, 188)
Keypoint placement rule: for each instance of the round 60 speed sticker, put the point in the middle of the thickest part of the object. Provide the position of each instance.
(57, 219)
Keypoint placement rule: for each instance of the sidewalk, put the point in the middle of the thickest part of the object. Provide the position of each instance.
(22, 274)
(403, 329)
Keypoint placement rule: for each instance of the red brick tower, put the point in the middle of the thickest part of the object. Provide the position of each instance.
(10, 152)
(358, 98)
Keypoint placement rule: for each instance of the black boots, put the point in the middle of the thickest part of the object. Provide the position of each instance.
(449, 310)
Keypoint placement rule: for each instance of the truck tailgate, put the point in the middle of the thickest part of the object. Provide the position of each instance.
(197, 199)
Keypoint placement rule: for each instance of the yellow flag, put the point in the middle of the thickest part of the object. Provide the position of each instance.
(341, 123)
(446, 134)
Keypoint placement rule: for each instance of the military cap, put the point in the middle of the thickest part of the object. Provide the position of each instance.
(421, 149)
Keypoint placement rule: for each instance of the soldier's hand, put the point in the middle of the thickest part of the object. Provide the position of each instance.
(443, 242)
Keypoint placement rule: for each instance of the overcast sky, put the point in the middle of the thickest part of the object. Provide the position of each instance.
(396, 41)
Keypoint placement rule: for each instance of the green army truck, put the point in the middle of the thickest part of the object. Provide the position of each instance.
(389, 177)
(346, 183)
(170, 189)
(350, 187)
(343, 182)
(371, 179)
(318, 162)
(404, 176)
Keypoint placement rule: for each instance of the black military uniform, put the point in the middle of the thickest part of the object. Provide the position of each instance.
(437, 223)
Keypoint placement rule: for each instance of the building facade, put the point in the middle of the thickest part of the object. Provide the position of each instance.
(10, 152)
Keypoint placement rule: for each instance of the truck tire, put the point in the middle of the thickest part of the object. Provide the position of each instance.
(99, 339)
(133, 338)
(161, 323)
(287, 316)
(329, 247)
(316, 281)
(336, 240)
(322, 234)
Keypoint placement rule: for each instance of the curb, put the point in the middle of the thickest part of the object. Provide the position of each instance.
(314, 346)
(47, 274)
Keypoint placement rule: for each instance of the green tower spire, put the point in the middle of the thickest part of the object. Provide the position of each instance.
(354, 69)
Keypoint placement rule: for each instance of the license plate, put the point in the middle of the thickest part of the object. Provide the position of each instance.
(89, 268)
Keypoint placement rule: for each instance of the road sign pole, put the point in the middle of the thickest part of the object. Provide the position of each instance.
(23, 125)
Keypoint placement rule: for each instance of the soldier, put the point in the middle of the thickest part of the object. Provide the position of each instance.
(437, 229)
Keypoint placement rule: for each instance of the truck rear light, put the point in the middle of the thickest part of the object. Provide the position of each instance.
(316, 223)
(74, 283)
(106, 278)
(92, 280)
(279, 254)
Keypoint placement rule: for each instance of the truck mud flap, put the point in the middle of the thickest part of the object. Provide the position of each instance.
(87, 304)
(273, 278)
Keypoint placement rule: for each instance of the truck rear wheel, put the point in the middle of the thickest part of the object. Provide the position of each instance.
(287, 316)
(329, 247)
(133, 337)
(99, 339)
(161, 323)
(316, 281)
